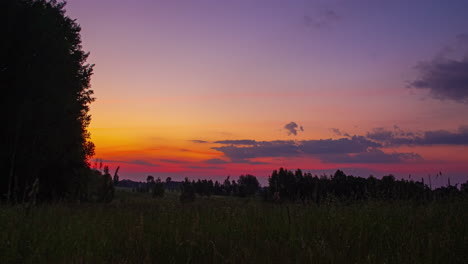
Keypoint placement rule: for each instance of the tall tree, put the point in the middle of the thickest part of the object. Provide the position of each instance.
(45, 84)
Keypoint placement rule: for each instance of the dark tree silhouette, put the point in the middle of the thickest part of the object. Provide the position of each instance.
(294, 186)
(150, 179)
(106, 193)
(158, 188)
(248, 185)
(116, 176)
(187, 192)
(45, 83)
(149, 183)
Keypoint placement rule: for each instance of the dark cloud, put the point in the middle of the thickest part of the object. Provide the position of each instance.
(399, 137)
(237, 142)
(261, 149)
(444, 137)
(135, 162)
(336, 131)
(142, 162)
(356, 149)
(380, 134)
(349, 149)
(292, 128)
(354, 144)
(106, 160)
(252, 162)
(372, 156)
(443, 77)
(322, 19)
(216, 161)
(174, 161)
(204, 168)
(198, 141)
(392, 137)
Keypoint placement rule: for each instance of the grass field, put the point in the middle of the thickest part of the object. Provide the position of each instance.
(135, 228)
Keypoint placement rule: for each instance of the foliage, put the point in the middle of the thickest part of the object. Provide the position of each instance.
(116, 176)
(187, 192)
(158, 188)
(45, 101)
(285, 185)
(248, 185)
(106, 192)
(99, 186)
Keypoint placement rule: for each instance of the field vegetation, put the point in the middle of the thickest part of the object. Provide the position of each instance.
(137, 228)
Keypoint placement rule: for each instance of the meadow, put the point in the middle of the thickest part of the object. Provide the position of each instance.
(135, 228)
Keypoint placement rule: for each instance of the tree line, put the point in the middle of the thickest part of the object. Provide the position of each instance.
(297, 186)
(246, 185)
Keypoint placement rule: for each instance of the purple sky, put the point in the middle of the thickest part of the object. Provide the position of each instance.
(168, 72)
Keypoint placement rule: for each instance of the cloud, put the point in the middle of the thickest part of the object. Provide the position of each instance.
(198, 141)
(216, 161)
(348, 149)
(322, 19)
(373, 156)
(252, 162)
(354, 144)
(392, 137)
(237, 142)
(445, 78)
(293, 128)
(380, 134)
(399, 137)
(142, 162)
(135, 162)
(204, 168)
(357, 149)
(260, 149)
(336, 131)
(444, 137)
(174, 161)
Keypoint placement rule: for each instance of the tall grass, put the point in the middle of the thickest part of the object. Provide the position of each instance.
(137, 229)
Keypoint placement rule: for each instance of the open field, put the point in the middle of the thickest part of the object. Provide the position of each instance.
(135, 228)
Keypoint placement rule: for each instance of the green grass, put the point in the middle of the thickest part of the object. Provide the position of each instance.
(135, 228)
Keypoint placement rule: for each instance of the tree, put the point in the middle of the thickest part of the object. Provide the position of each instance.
(227, 186)
(45, 99)
(248, 185)
(158, 188)
(187, 192)
(116, 176)
(149, 179)
(149, 183)
(106, 193)
(464, 187)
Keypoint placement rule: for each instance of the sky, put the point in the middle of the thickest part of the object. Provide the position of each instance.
(209, 88)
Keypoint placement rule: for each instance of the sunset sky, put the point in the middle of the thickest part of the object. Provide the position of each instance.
(204, 89)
